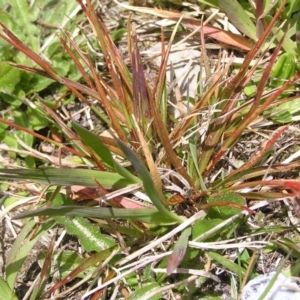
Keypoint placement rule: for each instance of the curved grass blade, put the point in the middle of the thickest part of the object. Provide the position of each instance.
(148, 183)
(142, 292)
(95, 143)
(6, 292)
(22, 246)
(67, 177)
(238, 17)
(85, 265)
(142, 215)
(227, 264)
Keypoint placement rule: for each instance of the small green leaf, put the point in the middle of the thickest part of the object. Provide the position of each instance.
(285, 111)
(238, 17)
(21, 248)
(90, 236)
(26, 16)
(21, 119)
(3, 128)
(9, 77)
(225, 212)
(30, 162)
(6, 293)
(117, 34)
(37, 119)
(37, 83)
(283, 70)
(202, 226)
(142, 292)
(227, 264)
(68, 261)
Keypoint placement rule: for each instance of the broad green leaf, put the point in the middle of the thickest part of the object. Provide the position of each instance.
(283, 70)
(6, 293)
(67, 177)
(21, 248)
(288, 45)
(142, 215)
(57, 12)
(6, 50)
(21, 119)
(285, 111)
(9, 77)
(68, 261)
(227, 264)
(202, 226)
(238, 17)
(224, 212)
(268, 5)
(3, 128)
(142, 292)
(117, 34)
(292, 6)
(282, 117)
(148, 183)
(30, 162)
(37, 119)
(10, 140)
(95, 143)
(26, 16)
(90, 236)
(37, 83)
(7, 19)
(251, 87)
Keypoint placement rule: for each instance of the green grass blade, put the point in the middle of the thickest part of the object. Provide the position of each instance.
(21, 248)
(238, 17)
(95, 143)
(67, 177)
(228, 264)
(6, 292)
(142, 215)
(147, 182)
(142, 292)
(89, 235)
(86, 265)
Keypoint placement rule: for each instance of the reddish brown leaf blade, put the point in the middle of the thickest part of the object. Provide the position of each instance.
(295, 185)
(229, 204)
(140, 94)
(264, 149)
(92, 260)
(14, 41)
(179, 251)
(75, 59)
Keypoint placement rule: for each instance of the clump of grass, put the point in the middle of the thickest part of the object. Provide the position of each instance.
(183, 205)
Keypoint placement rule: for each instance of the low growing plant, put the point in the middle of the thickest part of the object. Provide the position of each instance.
(160, 191)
